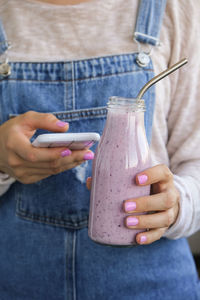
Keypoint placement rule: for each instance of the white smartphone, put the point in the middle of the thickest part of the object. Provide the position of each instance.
(73, 141)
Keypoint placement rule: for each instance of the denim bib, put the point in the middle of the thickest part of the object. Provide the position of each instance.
(42, 230)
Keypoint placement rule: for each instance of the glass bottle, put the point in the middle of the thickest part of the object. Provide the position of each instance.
(122, 152)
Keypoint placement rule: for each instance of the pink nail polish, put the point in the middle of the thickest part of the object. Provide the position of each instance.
(88, 156)
(129, 206)
(143, 239)
(61, 124)
(131, 221)
(142, 179)
(66, 152)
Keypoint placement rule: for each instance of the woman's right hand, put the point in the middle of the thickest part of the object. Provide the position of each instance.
(28, 164)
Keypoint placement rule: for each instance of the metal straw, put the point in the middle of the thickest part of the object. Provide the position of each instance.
(161, 76)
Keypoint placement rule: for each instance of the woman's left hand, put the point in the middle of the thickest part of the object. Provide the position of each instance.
(162, 205)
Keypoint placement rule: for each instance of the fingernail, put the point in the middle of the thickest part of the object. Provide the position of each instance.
(130, 206)
(61, 124)
(88, 156)
(142, 179)
(66, 152)
(131, 221)
(143, 239)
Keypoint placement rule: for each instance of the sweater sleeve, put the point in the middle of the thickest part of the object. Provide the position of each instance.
(5, 183)
(184, 121)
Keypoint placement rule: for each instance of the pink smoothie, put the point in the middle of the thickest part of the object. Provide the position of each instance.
(122, 153)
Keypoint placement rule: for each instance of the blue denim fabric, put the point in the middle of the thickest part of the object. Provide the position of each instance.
(3, 41)
(45, 251)
(149, 21)
(77, 92)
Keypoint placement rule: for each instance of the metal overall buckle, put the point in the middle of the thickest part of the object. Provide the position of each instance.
(143, 58)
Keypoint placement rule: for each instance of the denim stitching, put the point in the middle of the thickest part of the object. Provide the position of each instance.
(73, 88)
(68, 225)
(49, 220)
(77, 114)
(78, 79)
(71, 119)
(73, 266)
(69, 265)
(149, 21)
(66, 260)
(65, 90)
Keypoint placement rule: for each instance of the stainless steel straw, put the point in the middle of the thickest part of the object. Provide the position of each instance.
(161, 76)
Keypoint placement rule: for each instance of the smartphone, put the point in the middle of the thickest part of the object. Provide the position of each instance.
(73, 141)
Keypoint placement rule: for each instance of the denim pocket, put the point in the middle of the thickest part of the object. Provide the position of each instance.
(62, 199)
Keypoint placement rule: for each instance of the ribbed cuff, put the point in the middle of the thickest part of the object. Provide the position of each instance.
(183, 226)
(5, 182)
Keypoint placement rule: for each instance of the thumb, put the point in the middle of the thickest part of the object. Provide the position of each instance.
(33, 120)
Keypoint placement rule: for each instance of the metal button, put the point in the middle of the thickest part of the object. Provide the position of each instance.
(142, 59)
(5, 69)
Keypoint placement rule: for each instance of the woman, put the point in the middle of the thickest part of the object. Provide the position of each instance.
(87, 53)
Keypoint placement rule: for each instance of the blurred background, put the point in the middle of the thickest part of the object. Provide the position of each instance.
(194, 242)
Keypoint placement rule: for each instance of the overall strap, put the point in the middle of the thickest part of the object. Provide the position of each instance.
(4, 45)
(149, 21)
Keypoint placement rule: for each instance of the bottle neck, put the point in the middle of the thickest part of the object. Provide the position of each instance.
(125, 127)
(126, 104)
(124, 120)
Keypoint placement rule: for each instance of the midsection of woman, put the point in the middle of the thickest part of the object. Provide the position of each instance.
(80, 55)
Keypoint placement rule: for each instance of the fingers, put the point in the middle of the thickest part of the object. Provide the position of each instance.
(159, 173)
(24, 170)
(23, 127)
(33, 120)
(150, 236)
(32, 179)
(148, 221)
(27, 152)
(157, 202)
(164, 203)
(23, 161)
(30, 175)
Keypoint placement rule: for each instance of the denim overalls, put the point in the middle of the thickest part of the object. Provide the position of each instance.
(45, 252)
